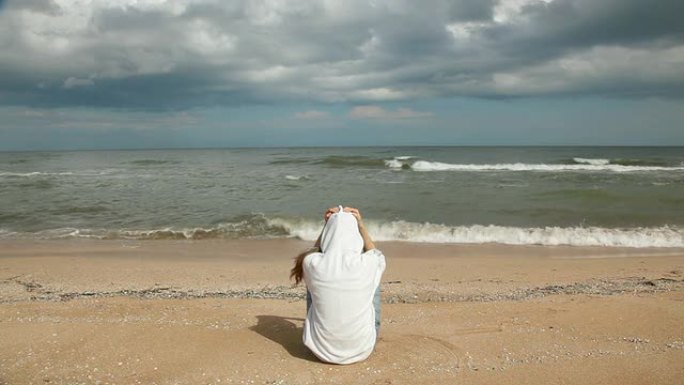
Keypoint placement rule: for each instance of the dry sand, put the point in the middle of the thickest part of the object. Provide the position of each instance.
(224, 312)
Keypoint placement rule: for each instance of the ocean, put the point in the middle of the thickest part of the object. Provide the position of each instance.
(584, 196)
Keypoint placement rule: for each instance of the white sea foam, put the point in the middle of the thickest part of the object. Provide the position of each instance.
(242, 229)
(394, 163)
(4, 233)
(398, 162)
(664, 236)
(422, 165)
(34, 173)
(435, 233)
(596, 162)
(58, 173)
(64, 232)
(296, 177)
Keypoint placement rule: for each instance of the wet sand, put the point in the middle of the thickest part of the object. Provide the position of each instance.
(170, 312)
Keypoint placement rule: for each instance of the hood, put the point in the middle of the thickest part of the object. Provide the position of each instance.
(341, 233)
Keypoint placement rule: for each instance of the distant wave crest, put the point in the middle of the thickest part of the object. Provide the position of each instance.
(30, 174)
(296, 177)
(33, 173)
(595, 162)
(577, 164)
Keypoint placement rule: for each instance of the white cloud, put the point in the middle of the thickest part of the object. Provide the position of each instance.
(620, 67)
(377, 112)
(271, 74)
(84, 118)
(311, 115)
(73, 82)
(380, 94)
(464, 31)
(509, 10)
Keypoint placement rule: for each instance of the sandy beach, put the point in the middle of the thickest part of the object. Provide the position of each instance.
(224, 311)
(519, 164)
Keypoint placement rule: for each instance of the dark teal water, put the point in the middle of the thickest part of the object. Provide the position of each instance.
(526, 195)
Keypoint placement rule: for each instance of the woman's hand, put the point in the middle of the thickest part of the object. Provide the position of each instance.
(330, 212)
(356, 213)
(352, 210)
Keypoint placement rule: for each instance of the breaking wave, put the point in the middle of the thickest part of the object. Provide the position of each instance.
(340, 161)
(595, 162)
(259, 226)
(296, 177)
(152, 162)
(396, 231)
(31, 174)
(34, 173)
(579, 164)
(573, 236)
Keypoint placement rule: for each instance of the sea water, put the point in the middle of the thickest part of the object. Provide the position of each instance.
(611, 196)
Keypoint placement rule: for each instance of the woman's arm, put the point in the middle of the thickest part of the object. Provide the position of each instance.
(317, 245)
(367, 241)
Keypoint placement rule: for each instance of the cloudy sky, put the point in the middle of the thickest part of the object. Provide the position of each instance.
(214, 73)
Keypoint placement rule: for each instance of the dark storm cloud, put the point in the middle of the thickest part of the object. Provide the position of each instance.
(469, 10)
(177, 54)
(590, 22)
(46, 6)
(548, 30)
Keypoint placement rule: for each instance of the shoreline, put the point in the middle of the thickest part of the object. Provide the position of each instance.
(64, 270)
(258, 227)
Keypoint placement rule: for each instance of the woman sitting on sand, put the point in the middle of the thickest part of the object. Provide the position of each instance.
(342, 274)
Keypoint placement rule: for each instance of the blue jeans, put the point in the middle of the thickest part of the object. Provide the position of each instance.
(376, 305)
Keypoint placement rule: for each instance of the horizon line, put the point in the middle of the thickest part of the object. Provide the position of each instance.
(343, 146)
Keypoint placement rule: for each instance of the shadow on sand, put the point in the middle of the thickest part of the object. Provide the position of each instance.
(285, 332)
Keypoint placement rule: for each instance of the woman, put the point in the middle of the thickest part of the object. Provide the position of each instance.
(342, 275)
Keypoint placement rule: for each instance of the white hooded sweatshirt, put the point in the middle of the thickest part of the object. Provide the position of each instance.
(340, 325)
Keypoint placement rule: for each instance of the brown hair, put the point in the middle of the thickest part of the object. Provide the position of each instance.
(297, 271)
